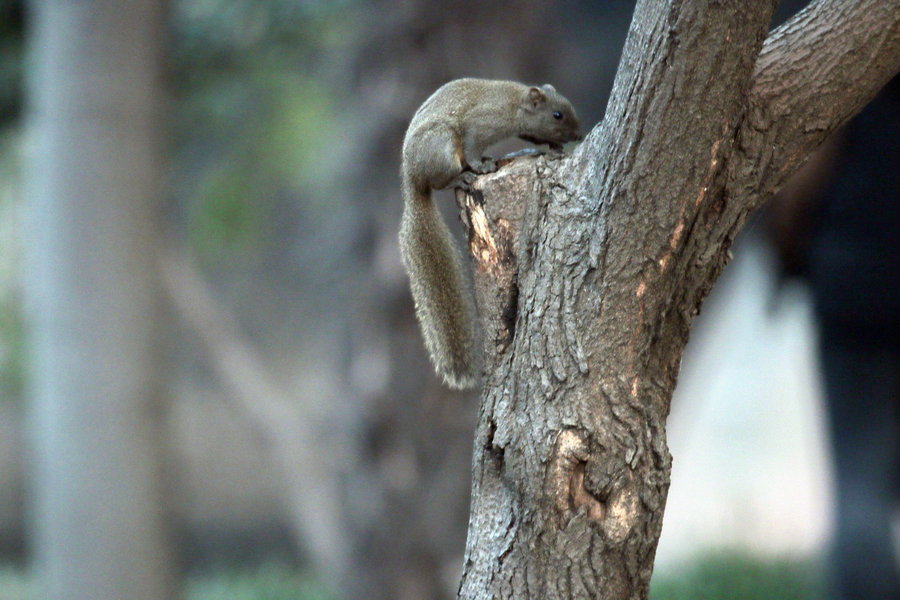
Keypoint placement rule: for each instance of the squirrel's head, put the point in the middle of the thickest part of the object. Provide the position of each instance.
(550, 118)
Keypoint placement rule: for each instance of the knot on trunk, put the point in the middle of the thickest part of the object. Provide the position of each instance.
(566, 478)
(614, 509)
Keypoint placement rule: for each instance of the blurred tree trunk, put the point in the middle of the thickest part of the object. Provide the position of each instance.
(590, 269)
(94, 187)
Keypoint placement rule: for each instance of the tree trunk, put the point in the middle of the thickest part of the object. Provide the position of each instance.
(94, 191)
(589, 270)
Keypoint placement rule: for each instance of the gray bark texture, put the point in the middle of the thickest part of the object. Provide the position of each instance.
(95, 168)
(589, 270)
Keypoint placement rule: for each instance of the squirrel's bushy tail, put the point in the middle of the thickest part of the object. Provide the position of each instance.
(444, 303)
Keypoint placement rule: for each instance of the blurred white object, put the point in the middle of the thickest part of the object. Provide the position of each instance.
(751, 468)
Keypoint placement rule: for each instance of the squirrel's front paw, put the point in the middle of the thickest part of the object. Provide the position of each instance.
(488, 165)
(466, 180)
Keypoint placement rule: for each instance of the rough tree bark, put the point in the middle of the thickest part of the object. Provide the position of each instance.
(590, 269)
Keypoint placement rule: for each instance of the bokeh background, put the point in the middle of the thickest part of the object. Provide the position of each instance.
(310, 451)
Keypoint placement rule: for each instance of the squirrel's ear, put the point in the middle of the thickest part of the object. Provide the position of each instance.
(548, 88)
(536, 97)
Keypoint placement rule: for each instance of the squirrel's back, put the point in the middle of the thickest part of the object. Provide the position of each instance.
(462, 101)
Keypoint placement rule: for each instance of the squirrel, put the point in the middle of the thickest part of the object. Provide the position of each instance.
(446, 137)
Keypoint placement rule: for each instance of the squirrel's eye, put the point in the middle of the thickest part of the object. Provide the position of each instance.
(557, 115)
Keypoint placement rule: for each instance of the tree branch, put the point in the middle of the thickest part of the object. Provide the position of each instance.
(684, 74)
(307, 467)
(815, 72)
(654, 165)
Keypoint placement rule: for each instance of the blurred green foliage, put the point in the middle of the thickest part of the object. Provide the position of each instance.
(250, 106)
(723, 576)
(12, 326)
(738, 576)
(251, 109)
(12, 31)
(269, 582)
(251, 113)
(12, 357)
(263, 135)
